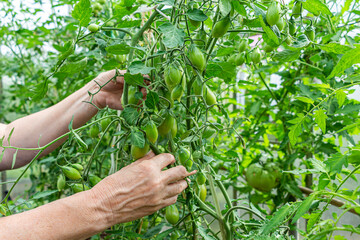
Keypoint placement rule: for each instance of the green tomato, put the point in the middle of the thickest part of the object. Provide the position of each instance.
(310, 33)
(280, 24)
(202, 37)
(77, 166)
(61, 182)
(273, 13)
(97, 7)
(71, 172)
(189, 163)
(131, 95)
(240, 59)
(232, 59)
(197, 87)
(137, 152)
(200, 179)
(101, 1)
(121, 58)
(292, 27)
(94, 180)
(173, 75)
(78, 187)
(243, 45)
(221, 27)
(274, 169)
(260, 178)
(166, 125)
(296, 11)
(93, 28)
(202, 192)
(151, 132)
(267, 48)
(196, 57)
(172, 214)
(177, 93)
(94, 131)
(183, 155)
(105, 123)
(210, 97)
(196, 24)
(266, 181)
(174, 129)
(255, 56)
(175, 235)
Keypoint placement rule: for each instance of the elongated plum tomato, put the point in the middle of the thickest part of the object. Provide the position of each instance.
(200, 179)
(195, 23)
(167, 124)
(78, 187)
(255, 56)
(137, 152)
(196, 57)
(280, 24)
(296, 10)
(177, 93)
(202, 192)
(273, 13)
(174, 129)
(184, 155)
(71, 172)
(201, 37)
(131, 95)
(243, 45)
(292, 27)
(172, 214)
(61, 182)
(197, 87)
(151, 132)
(93, 27)
(240, 59)
(105, 123)
(310, 33)
(94, 131)
(173, 75)
(94, 180)
(221, 27)
(267, 48)
(210, 97)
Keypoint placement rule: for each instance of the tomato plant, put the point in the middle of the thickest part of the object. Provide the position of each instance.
(257, 96)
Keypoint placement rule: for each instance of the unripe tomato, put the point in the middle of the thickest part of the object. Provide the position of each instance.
(167, 124)
(78, 187)
(121, 59)
(196, 24)
(267, 48)
(292, 27)
(94, 131)
(296, 11)
(196, 57)
(243, 45)
(210, 97)
(202, 192)
(197, 155)
(61, 182)
(255, 56)
(266, 181)
(197, 87)
(240, 59)
(175, 235)
(137, 152)
(131, 95)
(288, 40)
(77, 166)
(184, 155)
(105, 123)
(274, 169)
(173, 76)
(102, 1)
(200, 179)
(94, 180)
(151, 132)
(260, 178)
(174, 129)
(310, 33)
(71, 173)
(97, 7)
(189, 164)
(93, 27)
(172, 214)
(232, 59)
(221, 27)
(201, 35)
(273, 13)
(280, 24)
(177, 93)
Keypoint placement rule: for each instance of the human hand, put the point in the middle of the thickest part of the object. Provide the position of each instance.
(141, 188)
(110, 94)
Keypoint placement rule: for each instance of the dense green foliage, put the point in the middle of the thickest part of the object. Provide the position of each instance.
(302, 125)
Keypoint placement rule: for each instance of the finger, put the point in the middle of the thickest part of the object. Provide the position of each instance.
(170, 201)
(175, 174)
(176, 188)
(148, 156)
(163, 160)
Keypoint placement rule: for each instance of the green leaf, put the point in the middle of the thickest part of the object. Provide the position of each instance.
(137, 138)
(336, 162)
(79, 140)
(225, 7)
(277, 219)
(82, 12)
(305, 99)
(346, 6)
(318, 165)
(137, 67)
(316, 7)
(286, 56)
(335, 48)
(357, 123)
(118, 49)
(301, 42)
(172, 36)
(304, 207)
(152, 99)
(269, 32)
(196, 15)
(43, 194)
(223, 70)
(74, 67)
(350, 58)
(68, 49)
(135, 80)
(320, 119)
(341, 97)
(205, 233)
(131, 115)
(296, 129)
(239, 8)
(225, 51)
(111, 64)
(129, 24)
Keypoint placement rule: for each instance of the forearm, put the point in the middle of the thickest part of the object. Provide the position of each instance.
(76, 217)
(45, 126)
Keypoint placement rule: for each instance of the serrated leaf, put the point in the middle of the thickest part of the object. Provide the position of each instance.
(43, 194)
(305, 99)
(301, 42)
(225, 7)
(204, 233)
(135, 80)
(316, 7)
(350, 58)
(335, 48)
(318, 165)
(152, 99)
(341, 97)
(286, 56)
(269, 32)
(277, 219)
(225, 51)
(137, 67)
(303, 208)
(296, 129)
(111, 64)
(239, 8)
(172, 36)
(74, 67)
(118, 49)
(336, 163)
(130, 115)
(320, 119)
(137, 138)
(82, 12)
(196, 15)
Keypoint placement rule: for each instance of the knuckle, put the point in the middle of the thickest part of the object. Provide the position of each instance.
(173, 200)
(169, 156)
(182, 170)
